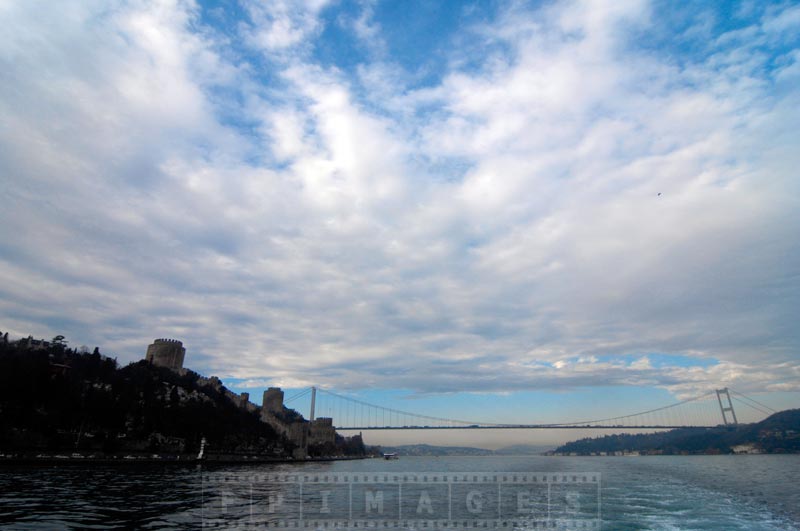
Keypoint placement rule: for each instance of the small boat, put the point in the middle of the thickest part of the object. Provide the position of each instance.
(390, 456)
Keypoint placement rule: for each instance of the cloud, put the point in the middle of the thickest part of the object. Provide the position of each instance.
(280, 25)
(564, 201)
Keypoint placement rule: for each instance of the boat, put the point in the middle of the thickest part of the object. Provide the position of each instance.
(390, 456)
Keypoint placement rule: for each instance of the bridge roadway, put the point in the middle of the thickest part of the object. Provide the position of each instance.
(520, 427)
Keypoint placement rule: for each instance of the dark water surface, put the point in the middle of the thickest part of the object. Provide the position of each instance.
(758, 492)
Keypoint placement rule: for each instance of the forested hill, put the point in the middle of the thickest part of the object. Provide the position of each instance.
(56, 399)
(779, 433)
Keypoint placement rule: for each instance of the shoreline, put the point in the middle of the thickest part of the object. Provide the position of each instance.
(167, 459)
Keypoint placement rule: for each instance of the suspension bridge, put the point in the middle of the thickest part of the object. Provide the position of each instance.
(710, 409)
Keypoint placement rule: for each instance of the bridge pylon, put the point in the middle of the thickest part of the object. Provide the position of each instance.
(724, 409)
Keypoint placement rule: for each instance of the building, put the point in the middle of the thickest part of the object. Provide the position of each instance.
(746, 449)
(299, 431)
(272, 413)
(33, 344)
(167, 353)
(273, 400)
(321, 431)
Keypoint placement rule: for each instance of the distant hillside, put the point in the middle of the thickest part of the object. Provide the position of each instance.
(523, 449)
(428, 450)
(779, 433)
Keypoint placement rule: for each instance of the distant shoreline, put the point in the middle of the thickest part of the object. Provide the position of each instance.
(709, 454)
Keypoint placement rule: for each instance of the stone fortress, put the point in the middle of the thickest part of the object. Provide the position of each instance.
(167, 353)
(170, 353)
(314, 432)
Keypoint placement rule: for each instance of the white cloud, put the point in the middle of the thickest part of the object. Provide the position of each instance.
(278, 25)
(501, 230)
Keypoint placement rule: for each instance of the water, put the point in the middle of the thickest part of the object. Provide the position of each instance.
(637, 493)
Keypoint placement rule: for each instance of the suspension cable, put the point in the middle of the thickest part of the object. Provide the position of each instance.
(760, 410)
(752, 400)
(298, 395)
(636, 414)
(469, 423)
(415, 415)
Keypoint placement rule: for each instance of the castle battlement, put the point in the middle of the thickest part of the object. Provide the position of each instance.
(166, 353)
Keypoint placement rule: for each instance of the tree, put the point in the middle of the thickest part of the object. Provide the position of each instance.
(60, 341)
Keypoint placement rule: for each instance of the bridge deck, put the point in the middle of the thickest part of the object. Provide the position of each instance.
(519, 427)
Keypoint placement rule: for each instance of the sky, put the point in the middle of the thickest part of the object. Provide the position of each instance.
(448, 205)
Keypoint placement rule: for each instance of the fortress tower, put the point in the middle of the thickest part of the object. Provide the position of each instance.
(166, 353)
(273, 401)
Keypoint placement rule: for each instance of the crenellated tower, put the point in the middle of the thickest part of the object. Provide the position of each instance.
(166, 353)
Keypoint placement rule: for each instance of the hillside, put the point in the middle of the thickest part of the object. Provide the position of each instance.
(779, 433)
(57, 400)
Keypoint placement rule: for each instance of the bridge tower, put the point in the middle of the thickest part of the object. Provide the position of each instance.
(725, 409)
(313, 402)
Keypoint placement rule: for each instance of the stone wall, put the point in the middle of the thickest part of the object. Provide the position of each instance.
(300, 432)
(321, 431)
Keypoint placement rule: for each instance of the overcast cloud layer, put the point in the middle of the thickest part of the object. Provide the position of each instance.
(528, 197)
